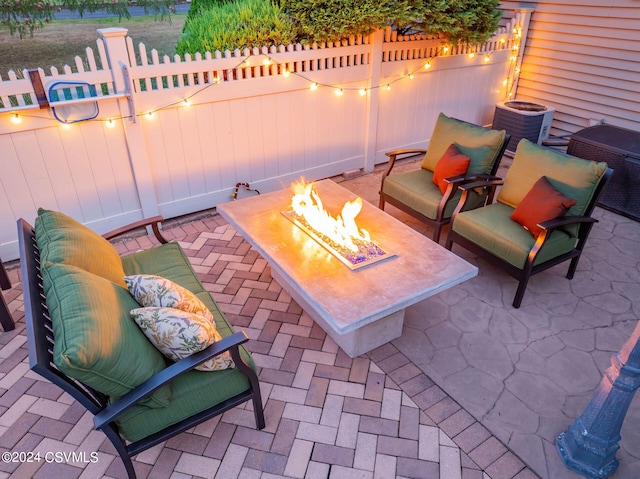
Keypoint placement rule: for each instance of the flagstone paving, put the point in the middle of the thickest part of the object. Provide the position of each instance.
(472, 390)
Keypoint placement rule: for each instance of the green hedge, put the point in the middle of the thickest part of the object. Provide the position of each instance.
(240, 24)
(228, 24)
(333, 20)
(459, 21)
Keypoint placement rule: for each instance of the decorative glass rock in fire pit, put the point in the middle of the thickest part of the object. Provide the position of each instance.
(340, 235)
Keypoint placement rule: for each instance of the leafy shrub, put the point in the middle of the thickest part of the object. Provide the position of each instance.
(333, 20)
(199, 6)
(240, 24)
(459, 21)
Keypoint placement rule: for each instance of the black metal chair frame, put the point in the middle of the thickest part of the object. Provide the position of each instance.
(40, 344)
(584, 223)
(452, 187)
(6, 320)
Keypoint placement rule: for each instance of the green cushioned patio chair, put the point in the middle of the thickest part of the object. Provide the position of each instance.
(416, 193)
(491, 233)
(81, 336)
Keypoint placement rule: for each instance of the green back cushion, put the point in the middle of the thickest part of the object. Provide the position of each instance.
(573, 177)
(480, 144)
(61, 239)
(96, 341)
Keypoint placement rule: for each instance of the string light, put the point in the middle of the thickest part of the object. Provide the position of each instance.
(284, 71)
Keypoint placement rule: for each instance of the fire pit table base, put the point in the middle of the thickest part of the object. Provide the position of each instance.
(358, 341)
(359, 309)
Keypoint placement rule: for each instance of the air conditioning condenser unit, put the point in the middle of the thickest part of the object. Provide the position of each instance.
(523, 119)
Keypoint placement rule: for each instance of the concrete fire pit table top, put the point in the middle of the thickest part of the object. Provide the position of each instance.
(360, 309)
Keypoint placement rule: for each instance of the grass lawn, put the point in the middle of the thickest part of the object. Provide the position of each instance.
(59, 42)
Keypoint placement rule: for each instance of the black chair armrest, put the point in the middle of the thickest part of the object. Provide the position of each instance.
(393, 156)
(153, 222)
(550, 225)
(564, 221)
(408, 151)
(490, 181)
(486, 181)
(178, 368)
(469, 178)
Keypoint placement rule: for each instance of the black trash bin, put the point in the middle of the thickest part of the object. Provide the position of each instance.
(620, 149)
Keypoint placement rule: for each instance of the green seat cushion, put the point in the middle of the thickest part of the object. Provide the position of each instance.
(417, 190)
(574, 177)
(492, 228)
(195, 391)
(61, 239)
(167, 260)
(170, 261)
(192, 392)
(480, 144)
(96, 341)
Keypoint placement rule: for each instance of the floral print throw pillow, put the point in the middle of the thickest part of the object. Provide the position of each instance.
(178, 334)
(151, 290)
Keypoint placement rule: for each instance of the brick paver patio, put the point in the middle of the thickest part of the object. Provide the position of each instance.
(524, 373)
(328, 416)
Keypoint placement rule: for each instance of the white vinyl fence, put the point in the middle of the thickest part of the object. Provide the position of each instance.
(173, 136)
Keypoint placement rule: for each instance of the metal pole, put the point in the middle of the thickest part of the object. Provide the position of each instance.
(589, 445)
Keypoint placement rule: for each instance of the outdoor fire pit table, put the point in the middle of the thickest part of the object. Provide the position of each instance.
(360, 309)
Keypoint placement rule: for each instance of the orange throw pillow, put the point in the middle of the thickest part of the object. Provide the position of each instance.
(452, 163)
(543, 202)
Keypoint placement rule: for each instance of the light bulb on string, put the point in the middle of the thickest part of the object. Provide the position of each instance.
(111, 123)
(363, 91)
(16, 118)
(339, 92)
(313, 86)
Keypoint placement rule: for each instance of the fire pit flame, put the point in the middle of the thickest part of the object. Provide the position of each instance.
(340, 235)
(342, 230)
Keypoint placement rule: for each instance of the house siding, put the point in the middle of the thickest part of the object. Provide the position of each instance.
(582, 57)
